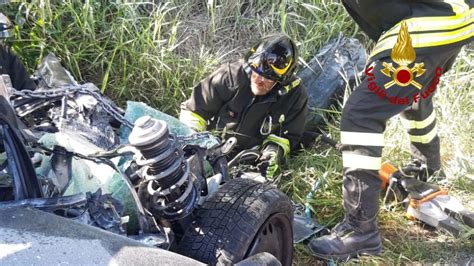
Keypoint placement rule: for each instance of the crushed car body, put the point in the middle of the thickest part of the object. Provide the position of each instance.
(138, 173)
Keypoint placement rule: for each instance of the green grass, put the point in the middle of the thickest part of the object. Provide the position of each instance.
(155, 53)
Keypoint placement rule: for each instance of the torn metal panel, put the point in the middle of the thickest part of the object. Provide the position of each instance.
(88, 175)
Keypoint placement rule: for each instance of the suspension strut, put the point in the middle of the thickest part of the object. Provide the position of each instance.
(167, 189)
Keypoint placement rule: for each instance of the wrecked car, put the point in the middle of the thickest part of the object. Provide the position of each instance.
(75, 169)
(69, 151)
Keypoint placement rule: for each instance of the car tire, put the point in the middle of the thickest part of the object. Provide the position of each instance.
(241, 219)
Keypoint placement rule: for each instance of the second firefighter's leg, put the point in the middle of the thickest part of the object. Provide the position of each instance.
(420, 122)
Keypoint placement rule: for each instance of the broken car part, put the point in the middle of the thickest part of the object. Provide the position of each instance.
(167, 189)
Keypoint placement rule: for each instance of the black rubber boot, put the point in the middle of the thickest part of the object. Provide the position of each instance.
(358, 234)
(419, 170)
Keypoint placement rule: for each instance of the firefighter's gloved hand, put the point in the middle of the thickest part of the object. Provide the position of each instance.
(269, 161)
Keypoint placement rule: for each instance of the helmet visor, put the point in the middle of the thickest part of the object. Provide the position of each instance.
(273, 63)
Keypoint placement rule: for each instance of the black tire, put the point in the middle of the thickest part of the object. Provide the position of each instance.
(241, 219)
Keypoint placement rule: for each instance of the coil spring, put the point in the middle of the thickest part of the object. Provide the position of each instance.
(167, 189)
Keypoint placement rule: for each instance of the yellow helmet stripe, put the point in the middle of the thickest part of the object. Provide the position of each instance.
(281, 71)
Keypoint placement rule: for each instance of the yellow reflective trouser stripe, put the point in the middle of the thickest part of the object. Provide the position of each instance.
(462, 25)
(360, 138)
(193, 120)
(352, 160)
(410, 124)
(282, 142)
(424, 138)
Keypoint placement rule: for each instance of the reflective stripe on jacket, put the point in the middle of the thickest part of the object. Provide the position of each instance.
(433, 25)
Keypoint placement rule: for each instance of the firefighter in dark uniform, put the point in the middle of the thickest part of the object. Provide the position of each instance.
(10, 64)
(434, 31)
(258, 100)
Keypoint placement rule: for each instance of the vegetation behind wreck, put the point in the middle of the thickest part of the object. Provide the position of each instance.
(156, 52)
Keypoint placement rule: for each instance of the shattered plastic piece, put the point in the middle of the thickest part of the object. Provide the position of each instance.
(327, 74)
(52, 74)
(83, 114)
(106, 212)
(89, 176)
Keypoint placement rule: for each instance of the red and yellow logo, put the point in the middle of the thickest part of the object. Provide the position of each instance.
(403, 54)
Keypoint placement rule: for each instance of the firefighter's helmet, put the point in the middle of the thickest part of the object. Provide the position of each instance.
(274, 57)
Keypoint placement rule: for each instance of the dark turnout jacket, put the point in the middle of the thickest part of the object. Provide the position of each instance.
(433, 25)
(225, 101)
(11, 65)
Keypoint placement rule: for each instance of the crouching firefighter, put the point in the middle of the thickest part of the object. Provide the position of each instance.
(417, 41)
(257, 100)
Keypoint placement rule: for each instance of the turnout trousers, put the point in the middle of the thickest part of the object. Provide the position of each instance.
(364, 120)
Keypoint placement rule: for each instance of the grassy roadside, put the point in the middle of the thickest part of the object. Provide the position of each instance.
(156, 52)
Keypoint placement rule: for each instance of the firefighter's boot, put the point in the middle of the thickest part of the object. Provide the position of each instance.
(420, 170)
(358, 234)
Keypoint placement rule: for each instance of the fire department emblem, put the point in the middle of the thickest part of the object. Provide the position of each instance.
(403, 54)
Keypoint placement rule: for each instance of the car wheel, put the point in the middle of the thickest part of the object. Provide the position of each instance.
(241, 219)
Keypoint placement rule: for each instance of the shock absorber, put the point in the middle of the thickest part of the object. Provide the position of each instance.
(167, 189)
